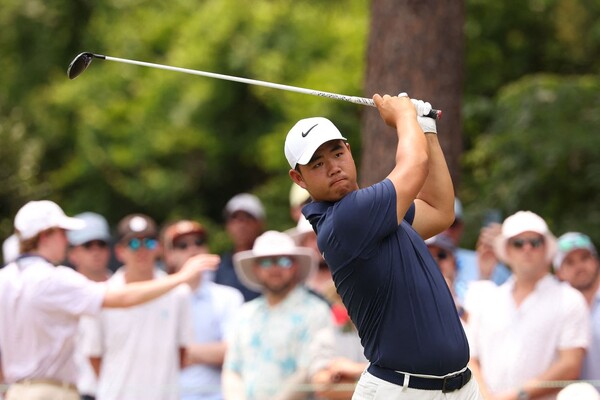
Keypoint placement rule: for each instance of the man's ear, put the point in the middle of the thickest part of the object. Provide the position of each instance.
(297, 178)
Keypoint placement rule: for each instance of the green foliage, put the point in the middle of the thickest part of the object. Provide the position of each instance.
(541, 153)
(123, 138)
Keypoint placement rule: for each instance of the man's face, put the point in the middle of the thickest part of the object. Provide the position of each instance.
(278, 274)
(56, 242)
(527, 254)
(243, 229)
(91, 257)
(138, 253)
(580, 269)
(184, 247)
(331, 173)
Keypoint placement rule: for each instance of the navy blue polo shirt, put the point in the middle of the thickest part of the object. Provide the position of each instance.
(392, 287)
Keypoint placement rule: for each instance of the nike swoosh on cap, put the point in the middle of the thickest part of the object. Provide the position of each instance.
(304, 134)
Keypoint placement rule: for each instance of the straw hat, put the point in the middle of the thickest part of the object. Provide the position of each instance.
(269, 244)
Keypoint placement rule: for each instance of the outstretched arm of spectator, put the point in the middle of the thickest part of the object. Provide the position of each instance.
(140, 292)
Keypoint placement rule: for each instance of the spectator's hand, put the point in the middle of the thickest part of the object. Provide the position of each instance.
(338, 380)
(486, 257)
(192, 270)
(426, 123)
(344, 368)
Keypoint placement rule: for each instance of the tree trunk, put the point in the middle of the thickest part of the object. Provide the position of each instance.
(415, 46)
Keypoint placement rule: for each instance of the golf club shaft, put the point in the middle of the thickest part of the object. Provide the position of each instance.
(436, 114)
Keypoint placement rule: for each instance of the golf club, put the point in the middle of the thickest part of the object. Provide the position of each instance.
(83, 60)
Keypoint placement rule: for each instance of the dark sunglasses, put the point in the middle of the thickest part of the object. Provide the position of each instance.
(520, 243)
(282, 262)
(198, 242)
(135, 244)
(101, 244)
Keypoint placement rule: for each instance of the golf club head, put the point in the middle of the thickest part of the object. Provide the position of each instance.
(79, 64)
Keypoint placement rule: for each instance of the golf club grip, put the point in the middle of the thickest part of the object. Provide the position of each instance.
(435, 114)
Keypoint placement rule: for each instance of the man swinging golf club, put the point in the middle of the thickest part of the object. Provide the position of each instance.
(373, 242)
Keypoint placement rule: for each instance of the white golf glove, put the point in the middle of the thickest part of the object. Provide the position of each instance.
(426, 123)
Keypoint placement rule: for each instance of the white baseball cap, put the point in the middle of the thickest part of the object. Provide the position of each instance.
(305, 138)
(245, 202)
(570, 242)
(38, 216)
(524, 221)
(96, 228)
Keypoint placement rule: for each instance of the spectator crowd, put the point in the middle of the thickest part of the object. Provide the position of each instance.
(264, 321)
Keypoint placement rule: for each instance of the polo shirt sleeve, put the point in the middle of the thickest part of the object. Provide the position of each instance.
(366, 216)
(71, 292)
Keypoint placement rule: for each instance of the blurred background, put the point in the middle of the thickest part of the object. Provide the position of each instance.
(518, 81)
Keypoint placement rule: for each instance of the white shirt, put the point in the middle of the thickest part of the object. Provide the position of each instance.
(514, 344)
(40, 307)
(139, 346)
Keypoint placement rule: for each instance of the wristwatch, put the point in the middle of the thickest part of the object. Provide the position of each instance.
(522, 395)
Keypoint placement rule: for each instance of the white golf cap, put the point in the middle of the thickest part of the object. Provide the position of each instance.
(38, 216)
(305, 138)
(96, 228)
(247, 203)
(520, 222)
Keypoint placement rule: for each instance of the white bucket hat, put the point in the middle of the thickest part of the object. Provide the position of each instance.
(305, 138)
(272, 243)
(524, 221)
(38, 216)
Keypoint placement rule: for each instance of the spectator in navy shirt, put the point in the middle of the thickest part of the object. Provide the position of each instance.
(373, 242)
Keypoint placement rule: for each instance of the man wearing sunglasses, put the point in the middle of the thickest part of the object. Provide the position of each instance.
(137, 353)
(272, 349)
(89, 254)
(576, 262)
(213, 309)
(533, 329)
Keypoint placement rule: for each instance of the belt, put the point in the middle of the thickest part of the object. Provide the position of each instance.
(447, 384)
(52, 382)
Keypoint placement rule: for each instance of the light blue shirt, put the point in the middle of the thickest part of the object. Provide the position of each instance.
(467, 271)
(214, 308)
(270, 343)
(591, 363)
